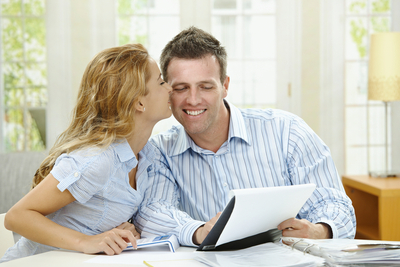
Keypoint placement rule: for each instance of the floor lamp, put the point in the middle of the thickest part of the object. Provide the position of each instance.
(384, 80)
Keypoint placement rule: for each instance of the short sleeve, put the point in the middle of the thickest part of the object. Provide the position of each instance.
(82, 176)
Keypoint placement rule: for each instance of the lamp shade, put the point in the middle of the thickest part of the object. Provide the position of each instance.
(384, 67)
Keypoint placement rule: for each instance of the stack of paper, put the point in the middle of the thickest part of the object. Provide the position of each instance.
(377, 254)
(350, 252)
(269, 254)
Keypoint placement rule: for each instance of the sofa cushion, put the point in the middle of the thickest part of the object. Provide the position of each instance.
(16, 174)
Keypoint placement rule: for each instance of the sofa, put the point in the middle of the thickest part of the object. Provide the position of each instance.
(16, 173)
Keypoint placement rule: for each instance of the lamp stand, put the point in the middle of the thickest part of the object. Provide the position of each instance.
(386, 138)
(387, 172)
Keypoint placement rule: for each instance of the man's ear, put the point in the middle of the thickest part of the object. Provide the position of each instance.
(226, 85)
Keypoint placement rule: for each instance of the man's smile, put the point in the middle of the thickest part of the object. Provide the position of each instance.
(194, 112)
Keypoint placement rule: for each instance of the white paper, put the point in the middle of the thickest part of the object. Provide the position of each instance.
(332, 251)
(268, 254)
(137, 257)
(176, 263)
(260, 209)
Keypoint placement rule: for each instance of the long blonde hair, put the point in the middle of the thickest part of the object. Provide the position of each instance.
(110, 88)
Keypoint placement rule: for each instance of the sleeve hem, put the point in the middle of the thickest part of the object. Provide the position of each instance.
(187, 232)
(333, 227)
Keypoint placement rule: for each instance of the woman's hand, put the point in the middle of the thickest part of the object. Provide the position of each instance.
(130, 227)
(111, 242)
(34, 207)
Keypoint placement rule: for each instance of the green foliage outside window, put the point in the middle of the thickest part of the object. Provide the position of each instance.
(132, 21)
(23, 72)
(358, 29)
(358, 33)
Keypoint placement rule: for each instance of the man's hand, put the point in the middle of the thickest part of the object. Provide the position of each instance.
(203, 230)
(305, 229)
(130, 227)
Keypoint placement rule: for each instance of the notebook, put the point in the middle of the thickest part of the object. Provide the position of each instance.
(169, 240)
(252, 215)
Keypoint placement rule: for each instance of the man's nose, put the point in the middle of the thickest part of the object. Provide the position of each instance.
(193, 97)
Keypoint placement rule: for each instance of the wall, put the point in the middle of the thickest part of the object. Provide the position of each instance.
(76, 31)
(310, 64)
(395, 110)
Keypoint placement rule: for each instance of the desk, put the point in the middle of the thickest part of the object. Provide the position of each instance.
(377, 205)
(65, 258)
(270, 254)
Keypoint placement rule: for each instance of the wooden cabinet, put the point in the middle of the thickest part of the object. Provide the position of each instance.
(377, 205)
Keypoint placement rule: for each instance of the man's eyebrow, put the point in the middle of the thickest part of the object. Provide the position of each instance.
(181, 83)
(199, 82)
(207, 81)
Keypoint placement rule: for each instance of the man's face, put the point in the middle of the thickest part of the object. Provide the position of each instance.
(197, 96)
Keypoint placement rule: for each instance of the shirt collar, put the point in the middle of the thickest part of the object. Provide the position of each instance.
(147, 152)
(125, 153)
(237, 128)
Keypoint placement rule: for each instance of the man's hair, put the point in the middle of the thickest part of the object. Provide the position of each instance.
(193, 43)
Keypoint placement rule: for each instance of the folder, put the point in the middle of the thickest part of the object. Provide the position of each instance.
(349, 252)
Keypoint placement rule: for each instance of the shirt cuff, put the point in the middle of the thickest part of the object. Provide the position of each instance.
(187, 232)
(333, 228)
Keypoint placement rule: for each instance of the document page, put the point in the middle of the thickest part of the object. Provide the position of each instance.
(258, 210)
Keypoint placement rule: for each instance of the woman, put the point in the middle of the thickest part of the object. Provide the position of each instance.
(86, 188)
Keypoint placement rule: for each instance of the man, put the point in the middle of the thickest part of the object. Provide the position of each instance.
(220, 147)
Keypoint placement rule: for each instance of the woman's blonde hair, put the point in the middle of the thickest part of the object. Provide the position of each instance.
(110, 89)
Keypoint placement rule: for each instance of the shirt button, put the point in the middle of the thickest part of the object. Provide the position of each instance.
(76, 174)
(225, 184)
(217, 156)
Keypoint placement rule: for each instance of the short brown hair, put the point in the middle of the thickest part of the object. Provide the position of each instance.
(193, 43)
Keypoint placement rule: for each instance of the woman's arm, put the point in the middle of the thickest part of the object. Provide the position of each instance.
(27, 218)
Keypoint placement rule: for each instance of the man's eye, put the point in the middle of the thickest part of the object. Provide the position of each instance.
(207, 87)
(179, 89)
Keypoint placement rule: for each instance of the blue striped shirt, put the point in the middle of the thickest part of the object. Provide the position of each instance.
(264, 148)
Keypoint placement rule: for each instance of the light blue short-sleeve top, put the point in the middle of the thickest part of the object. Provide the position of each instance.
(99, 181)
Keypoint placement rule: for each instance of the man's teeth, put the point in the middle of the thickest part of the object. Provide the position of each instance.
(195, 113)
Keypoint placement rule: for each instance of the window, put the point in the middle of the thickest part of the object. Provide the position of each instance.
(23, 91)
(364, 128)
(151, 23)
(247, 30)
